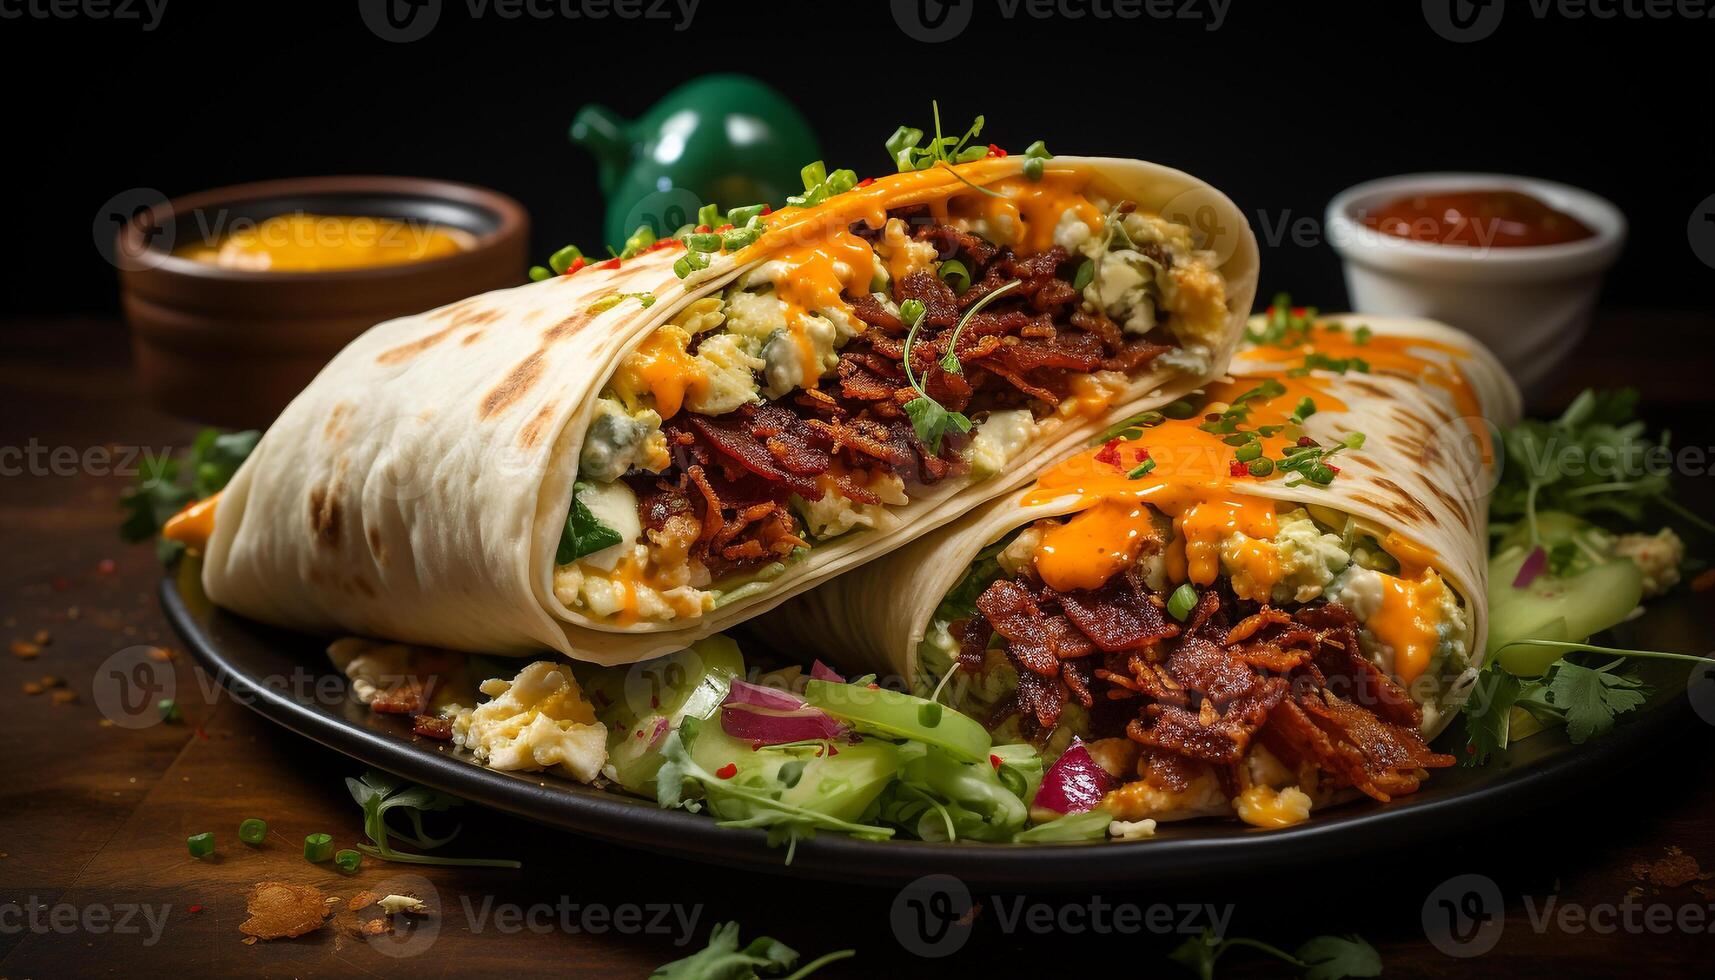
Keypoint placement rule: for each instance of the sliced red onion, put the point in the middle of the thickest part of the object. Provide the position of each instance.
(822, 672)
(662, 727)
(778, 728)
(762, 696)
(1074, 784)
(1533, 566)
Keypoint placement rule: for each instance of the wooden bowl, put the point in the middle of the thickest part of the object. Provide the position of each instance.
(231, 347)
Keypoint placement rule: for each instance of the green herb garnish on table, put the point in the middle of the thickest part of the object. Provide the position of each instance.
(722, 959)
(378, 793)
(166, 484)
(1320, 958)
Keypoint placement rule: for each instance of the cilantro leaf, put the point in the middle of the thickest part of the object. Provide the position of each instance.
(931, 420)
(1337, 957)
(722, 959)
(584, 533)
(1488, 714)
(160, 491)
(1587, 699)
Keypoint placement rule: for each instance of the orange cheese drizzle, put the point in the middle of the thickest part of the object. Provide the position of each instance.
(1192, 484)
(193, 525)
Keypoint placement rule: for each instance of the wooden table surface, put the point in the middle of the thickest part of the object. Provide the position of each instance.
(95, 879)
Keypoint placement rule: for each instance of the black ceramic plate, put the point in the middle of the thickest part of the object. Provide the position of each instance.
(275, 673)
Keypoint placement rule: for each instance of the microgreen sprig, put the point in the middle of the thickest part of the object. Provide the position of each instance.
(378, 792)
(930, 418)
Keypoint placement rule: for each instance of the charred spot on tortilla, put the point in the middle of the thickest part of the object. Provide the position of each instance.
(511, 388)
(1369, 387)
(565, 328)
(460, 317)
(533, 430)
(470, 338)
(325, 516)
(335, 427)
(405, 352)
(377, 547)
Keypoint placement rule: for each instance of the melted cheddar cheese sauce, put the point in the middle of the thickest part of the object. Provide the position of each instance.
(194, 525)
(1408, 615)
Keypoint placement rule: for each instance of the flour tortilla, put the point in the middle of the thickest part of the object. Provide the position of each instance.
(416, 490)
(1420, 473)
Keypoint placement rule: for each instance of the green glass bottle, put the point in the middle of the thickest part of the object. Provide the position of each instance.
(723, 139)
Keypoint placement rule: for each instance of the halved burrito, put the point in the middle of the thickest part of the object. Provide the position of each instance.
(1265, 597)
(620, 460)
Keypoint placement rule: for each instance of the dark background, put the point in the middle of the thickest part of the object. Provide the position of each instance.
(1282, 106)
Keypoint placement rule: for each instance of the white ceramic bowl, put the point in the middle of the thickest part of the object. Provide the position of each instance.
(1530, 304)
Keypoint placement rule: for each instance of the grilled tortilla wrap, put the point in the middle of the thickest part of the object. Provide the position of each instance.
(1153, 593)
(616, 462)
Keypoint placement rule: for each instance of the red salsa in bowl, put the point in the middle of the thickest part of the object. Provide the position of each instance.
(1477, 218)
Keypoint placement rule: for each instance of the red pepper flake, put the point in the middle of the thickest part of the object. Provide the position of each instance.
(995, 151)
(105, 566)
(1306, 441)
(1140, 456)
(194, 909)
(767, 210)
(862, 183)
(612, 263)
(1110, 453)
(702, 229)
(577, 263)
(994, 760)
(725, 227)
(1236, 468)
(727, 771)
(873, 687)
(655, 701)
(833, 751)
(1331, 467)
(664, 243)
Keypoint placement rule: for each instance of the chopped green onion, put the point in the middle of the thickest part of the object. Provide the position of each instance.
(911, 311)
(1261, 467)
(1353, 440)
(1033, 168)
(709, 215)
(562, 259)
(740, 238)
(169, 710)
(1038, 151)
(1363, 334)
(1141, 470)
(1086, 273)
(1306, 408)
(348, 860)
(1248, 452)
(929, 715)
(1183, 600)
(640, 239)
(318, 848)
(253, 831)
(813, 174)
(954, 274)
(704, 242)
(741, 217)
(689, 263)
(1179, 410)
(200, 845)
(539, 273)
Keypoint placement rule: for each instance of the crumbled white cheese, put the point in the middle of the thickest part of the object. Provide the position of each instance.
(615, 506)
(834, 514)
(409, 904)
(617, 440)
(999, 440)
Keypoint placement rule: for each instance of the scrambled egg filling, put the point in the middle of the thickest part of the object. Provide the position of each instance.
(779, 328)
(538, 720)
